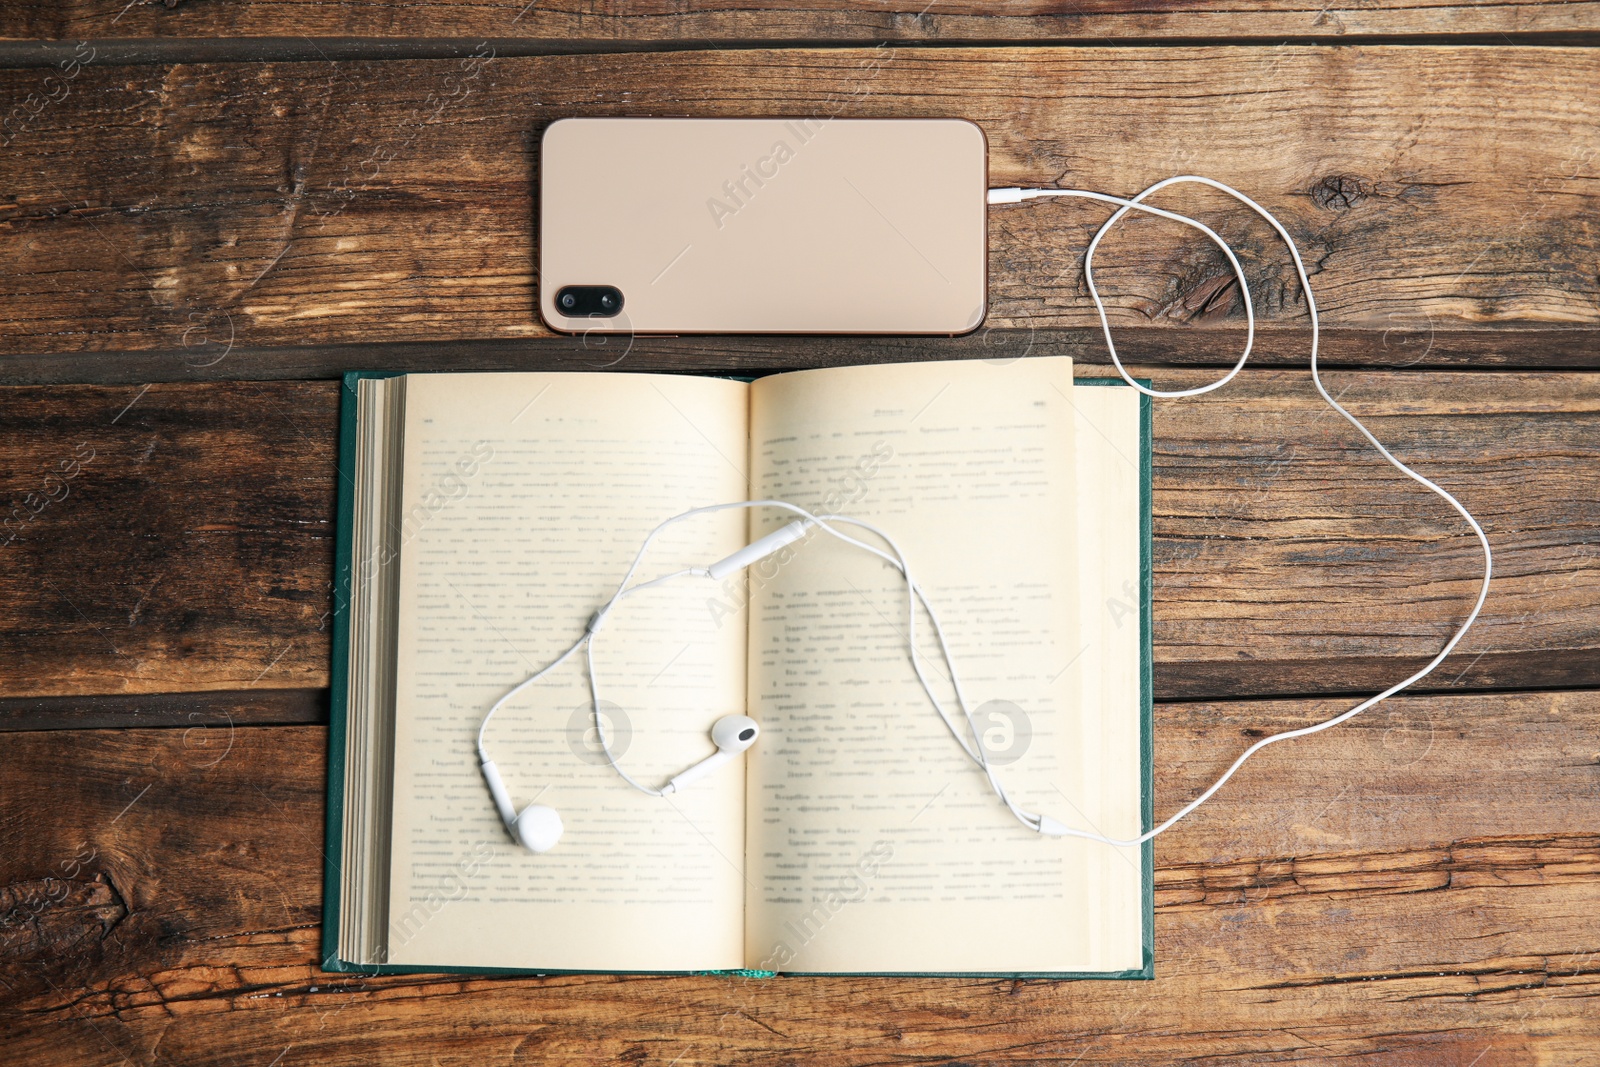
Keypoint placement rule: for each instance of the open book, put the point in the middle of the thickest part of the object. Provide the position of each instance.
(485, 517)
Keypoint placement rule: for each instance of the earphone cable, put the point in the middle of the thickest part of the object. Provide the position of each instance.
(1016, 195)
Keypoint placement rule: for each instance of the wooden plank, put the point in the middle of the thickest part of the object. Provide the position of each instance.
(310, 203)
(817, 19)
(167, 538)
(1368, 895)
(192, 550)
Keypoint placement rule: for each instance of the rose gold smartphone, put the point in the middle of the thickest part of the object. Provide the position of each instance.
(803, 225)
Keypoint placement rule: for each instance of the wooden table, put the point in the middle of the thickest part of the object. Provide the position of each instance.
(207, 210)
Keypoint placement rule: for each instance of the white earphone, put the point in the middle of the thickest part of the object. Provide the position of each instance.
(538, 827)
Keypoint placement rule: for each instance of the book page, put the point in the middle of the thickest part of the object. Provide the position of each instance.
(874, 843)
(526, 497)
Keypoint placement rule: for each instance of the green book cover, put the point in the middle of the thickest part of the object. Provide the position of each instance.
(339, 680)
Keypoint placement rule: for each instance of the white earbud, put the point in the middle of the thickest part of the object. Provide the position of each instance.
(732, 734)
(536, 828)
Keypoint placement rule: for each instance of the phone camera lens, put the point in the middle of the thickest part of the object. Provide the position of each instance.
(589, 301)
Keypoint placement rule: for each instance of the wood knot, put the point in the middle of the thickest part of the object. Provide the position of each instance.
(1203, 301)
(1341, 192)
(56, 917)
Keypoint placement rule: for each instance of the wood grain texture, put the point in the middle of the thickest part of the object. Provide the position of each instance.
(1370, 896)
(816, 19)
(294, 203)
(194, 550)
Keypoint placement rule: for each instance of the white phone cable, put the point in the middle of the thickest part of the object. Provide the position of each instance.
(895, 558)
(1044, 824)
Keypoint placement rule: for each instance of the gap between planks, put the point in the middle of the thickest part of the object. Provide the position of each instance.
(141, 51)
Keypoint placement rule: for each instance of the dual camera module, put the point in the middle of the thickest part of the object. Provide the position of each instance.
(589, 301)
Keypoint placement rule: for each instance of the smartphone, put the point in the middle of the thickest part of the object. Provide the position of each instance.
(781, 225)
